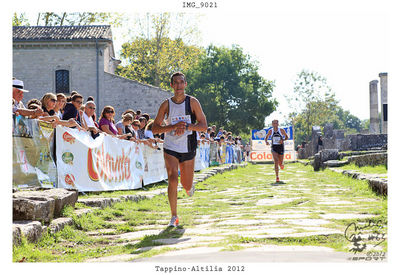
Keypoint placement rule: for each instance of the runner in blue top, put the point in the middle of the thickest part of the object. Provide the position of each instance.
(184, 116)
(278, 136)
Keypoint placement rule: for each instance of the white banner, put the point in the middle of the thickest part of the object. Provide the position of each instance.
(260, 151)
(202, 159)
(109, 163)
(154, 169)
(104, 163)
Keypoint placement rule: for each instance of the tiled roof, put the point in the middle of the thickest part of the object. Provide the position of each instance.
(55, 33)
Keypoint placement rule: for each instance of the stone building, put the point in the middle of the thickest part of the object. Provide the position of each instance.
(78, 58)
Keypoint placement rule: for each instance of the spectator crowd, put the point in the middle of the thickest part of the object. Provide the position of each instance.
(72, 111)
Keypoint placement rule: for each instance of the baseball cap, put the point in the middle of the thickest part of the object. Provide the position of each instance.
(19, 84)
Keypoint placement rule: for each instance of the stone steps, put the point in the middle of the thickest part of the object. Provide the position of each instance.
(34, 207)
(377, 184)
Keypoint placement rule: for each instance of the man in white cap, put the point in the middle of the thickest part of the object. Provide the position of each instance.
(18, 95)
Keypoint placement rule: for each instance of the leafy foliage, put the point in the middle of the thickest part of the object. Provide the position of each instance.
(153, 55)
(232, 93)
(314, 103)
(20, 20)
(153, 61)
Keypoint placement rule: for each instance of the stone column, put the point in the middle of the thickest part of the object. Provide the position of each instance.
(384, 115)
(373, 107)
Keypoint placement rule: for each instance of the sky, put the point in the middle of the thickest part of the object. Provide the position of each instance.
(348, 48)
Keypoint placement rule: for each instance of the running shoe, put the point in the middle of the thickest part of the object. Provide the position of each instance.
(191, 191)
(277, 179)
(174, 221)
(282, 166)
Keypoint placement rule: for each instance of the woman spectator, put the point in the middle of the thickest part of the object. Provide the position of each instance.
(34, 101)
(61, 100)
(208, 133)
(125, 122)
(106, 122)
(138, 114)
(136, 126)
(148, 133)
(147, 116)
(212, 136)
(129, 111)
(48, 104)
(72, 108)
(143, 123)
(34, 106)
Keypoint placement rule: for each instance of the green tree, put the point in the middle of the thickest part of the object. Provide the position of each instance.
(153, 55)
(311, 98)
(153, 61)
(365, 124)
(232, 93)
(314, 103)
(20, 20)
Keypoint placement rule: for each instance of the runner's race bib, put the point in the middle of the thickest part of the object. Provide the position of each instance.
(276, 140)
(185, 118)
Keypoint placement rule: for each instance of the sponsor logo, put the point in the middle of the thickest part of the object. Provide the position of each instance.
(70, 180)
(261, 134)
(265, 156)
(102, 165)
(138, 165)
(68, 138)
(67, 158)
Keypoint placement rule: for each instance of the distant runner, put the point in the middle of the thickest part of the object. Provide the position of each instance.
(181, 112)
(277, 149)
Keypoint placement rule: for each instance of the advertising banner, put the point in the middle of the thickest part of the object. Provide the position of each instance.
(33, 164)
(202, 157)
(214, 153)
(104, 163)
(154, 165)
(262, 152)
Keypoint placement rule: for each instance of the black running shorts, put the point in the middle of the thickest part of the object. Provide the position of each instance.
(279, 149)
(181, 156)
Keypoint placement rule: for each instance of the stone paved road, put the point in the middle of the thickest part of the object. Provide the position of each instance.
(234, 221)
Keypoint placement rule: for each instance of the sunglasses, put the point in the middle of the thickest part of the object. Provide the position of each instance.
(137, 125)
(93, 108)
(53, 100)
(79, 102)
(109, 112)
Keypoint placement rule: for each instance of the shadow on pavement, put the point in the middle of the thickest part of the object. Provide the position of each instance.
(169, 235)
(278, 183)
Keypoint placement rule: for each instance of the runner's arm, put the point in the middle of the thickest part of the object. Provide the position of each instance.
(285, 134)
(266, 138)
(201, 125)
(157, 127)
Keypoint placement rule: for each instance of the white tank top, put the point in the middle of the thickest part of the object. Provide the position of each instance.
(180, 112)
(276, 136)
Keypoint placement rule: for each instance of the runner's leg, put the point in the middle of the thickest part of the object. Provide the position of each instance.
(171, 164)
(187, 171)
(281, 161)
(276, 163)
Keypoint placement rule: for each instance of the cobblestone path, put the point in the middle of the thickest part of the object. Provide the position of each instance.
(243, 215)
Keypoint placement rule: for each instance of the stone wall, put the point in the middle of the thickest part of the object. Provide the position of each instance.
(336, 139)
(36, 67)
(123, 93)
(361, 142)
(369, 159)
